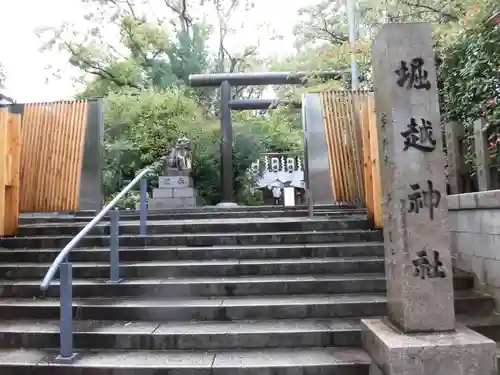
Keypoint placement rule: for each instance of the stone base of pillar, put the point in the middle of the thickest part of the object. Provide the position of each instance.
(463, 351)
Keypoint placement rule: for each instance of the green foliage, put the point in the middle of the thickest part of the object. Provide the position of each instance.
(276, 130)
(144, 73)
(469, 72)
(140, 127)
(143, 77)
(129, 201)
(470, 77)
(252, 135)
(206, 163)
(151, 57)
(322, 33)
(188, 54)
(325, 57)
(120, 74)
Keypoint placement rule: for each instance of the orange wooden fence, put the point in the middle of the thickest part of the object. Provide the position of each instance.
(352, 139)
(10, 155)
(53, 136)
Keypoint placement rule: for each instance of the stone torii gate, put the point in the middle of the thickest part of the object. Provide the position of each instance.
(226, 81)
(256, 104)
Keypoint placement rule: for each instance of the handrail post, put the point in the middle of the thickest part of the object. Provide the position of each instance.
(114, 246)
(310, 205)
(64, 252)
(143, 206)
(66, 319)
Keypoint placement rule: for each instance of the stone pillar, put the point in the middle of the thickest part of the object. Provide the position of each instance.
(482, 159)
(420, 284)
(454, 134)
(226, 145)
(416, 235)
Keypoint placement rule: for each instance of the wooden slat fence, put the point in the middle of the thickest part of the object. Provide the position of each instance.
(352, 140)
(53, 137)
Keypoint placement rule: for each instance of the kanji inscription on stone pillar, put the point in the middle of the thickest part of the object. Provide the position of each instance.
(417, 240)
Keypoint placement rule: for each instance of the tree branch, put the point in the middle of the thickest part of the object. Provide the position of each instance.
(130, 6)
(100, 71)
(430, 9)
(331, 36)
(184, 17)
(137, 46)
(231, 10)
(335, 36)
(118, 53)
(184, 14)
(234, 61)
(131, 9)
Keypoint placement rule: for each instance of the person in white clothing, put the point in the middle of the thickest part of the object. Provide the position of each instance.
(276, 190)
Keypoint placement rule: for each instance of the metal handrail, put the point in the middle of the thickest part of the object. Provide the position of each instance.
(67, 249)
(64, 267)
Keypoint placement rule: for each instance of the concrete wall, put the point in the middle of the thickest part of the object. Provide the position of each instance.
(317, 166)
(474, 221)
(91, 195)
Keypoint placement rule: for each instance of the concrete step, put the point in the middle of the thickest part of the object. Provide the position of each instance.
(487, 325)
(162, 215)
(208, 287)
(275, 251)
(225, 309)
(201, 309)
(259, 208)
(200, 239)
(204, 268)
(198, 213)
(184, 335)
(306, 361)
(209, 335)
(124, 217)
(216, 287)
(220, 225)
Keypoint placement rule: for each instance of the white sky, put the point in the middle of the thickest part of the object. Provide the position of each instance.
(25, 65)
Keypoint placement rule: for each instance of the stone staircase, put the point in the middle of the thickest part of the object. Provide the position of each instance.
(260, 291)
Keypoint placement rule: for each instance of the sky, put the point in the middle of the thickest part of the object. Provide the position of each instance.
(26, 66)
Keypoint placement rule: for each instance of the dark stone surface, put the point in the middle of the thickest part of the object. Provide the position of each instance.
(216, 268)
(278, 251)
(212, 239)
(205, 227)
(279, 301)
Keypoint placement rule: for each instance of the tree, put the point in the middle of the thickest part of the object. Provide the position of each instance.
(143, 77)
(140, 127)
(3, 76)
(469, 75)
(253, 135)
(225, 10)
(322, 22)
(156, 51)
(326, 22)
(466, 51)
(240, 58)
(322, 32)
(146, 56)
